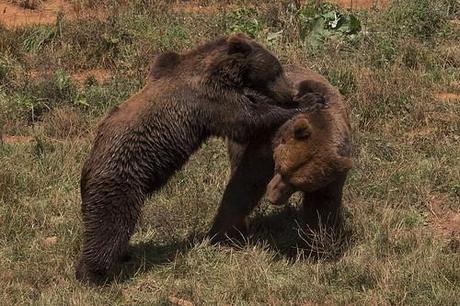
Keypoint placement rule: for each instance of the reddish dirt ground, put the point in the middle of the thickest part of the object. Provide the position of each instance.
(99, 74)
(448, 97)
(444, 220)
(12, 15)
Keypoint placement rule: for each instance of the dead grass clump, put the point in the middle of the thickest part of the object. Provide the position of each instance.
(64, 122)
(449, 56)
(324, 243)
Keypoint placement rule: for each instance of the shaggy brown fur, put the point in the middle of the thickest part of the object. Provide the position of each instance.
(141, 143)
(308, 152)
(311, 152)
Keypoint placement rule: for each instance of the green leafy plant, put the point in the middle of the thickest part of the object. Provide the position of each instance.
(318, 25)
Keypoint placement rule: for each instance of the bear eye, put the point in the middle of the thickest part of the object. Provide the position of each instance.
(301, 133)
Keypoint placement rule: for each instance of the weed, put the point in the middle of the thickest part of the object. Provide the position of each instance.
(244, 20)
(36, 38)
(326, 22)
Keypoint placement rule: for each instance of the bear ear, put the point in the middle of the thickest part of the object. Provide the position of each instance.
(304, 87)
(238, 44)
(164, 63)
(302, 129)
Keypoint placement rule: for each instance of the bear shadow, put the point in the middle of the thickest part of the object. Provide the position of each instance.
(284, 232)
(144, 256)
(281, 231)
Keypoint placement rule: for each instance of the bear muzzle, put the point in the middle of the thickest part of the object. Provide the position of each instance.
(278, 191)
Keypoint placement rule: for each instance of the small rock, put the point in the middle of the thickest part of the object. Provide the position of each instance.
(50, 241)
(180, 302)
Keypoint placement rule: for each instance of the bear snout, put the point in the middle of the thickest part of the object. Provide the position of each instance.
(278, 192)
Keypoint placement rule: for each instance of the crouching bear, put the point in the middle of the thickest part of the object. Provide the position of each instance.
(208, 91)
(311, 152)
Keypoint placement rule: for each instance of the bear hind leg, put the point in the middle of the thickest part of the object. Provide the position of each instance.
(106, 238)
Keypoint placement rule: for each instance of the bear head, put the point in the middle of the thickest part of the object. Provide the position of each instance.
(234, 62)
(306, 157)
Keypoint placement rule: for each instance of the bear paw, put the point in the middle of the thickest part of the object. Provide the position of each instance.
(91, 276)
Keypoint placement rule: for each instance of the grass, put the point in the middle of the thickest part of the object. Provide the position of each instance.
(404, 188)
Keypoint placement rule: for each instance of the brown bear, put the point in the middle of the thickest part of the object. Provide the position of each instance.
(312, 154)
(309, 155)
(211, 90)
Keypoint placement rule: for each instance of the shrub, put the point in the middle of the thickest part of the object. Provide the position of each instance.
(327, 22)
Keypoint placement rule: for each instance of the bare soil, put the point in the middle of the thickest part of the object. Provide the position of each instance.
(13, 15)
(448, 97)
(99, 74)
(443, 219)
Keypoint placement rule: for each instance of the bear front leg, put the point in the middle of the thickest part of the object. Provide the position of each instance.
(251, 118)
(267, 117)
(252, 169)
(108, 224)
(323, 207)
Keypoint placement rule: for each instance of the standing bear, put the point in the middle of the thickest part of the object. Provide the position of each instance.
(210, 91)
(312, 154)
